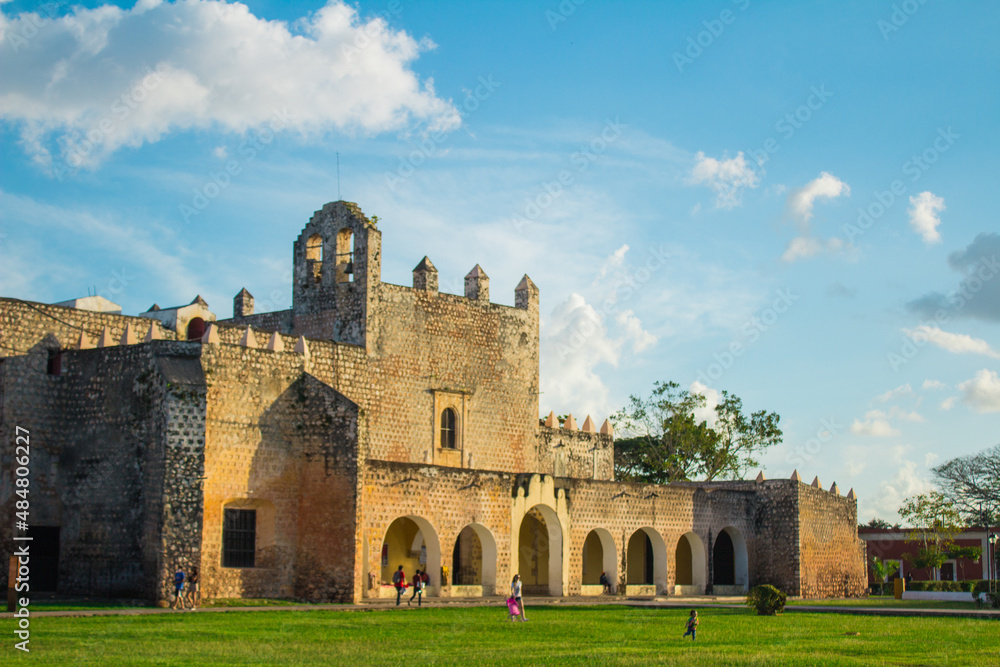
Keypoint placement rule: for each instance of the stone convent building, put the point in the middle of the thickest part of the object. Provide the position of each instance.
(307, 453)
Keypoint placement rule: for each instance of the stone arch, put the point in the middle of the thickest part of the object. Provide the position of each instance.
(730, 564)
(540, 551)
(690, 566)
(407, 541)
(345, 255)
(599, 555)
(646, 560)
(195, 328)
(314, 248)
(474, 558)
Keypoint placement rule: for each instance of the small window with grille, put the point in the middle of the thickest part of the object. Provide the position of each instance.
(239, 538)
(448, 429)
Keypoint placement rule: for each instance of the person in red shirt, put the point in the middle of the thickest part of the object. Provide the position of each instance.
(399, 581)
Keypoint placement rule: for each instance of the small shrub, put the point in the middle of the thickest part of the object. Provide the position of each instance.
(766, 599)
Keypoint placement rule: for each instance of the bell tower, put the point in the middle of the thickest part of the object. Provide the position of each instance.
(338, 267)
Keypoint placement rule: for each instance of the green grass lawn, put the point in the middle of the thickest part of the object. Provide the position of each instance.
(887, 602)
(483, 636)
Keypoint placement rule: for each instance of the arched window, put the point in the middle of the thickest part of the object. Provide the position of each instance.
(345, 256)
(448, 429)
(314, 248)
(196, 328)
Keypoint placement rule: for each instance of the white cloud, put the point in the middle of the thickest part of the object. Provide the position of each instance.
(220, 152)
(905, 483)
(727, 177)
(933, 384)
(613, 263)
(949, 403)
(901, 390)
(633, 331)
(924, 215)
(800, 201)
(982, 392)
(957, 343)
(706, 413)
(930, 459)
(95, 80)
(803, 247)
(876, 424)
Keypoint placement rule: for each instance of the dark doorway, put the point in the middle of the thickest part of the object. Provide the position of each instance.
(44, 547)
(724, 559)
(948, 572)
(196, 329)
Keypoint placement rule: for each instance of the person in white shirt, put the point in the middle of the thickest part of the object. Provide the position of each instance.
(515, 592)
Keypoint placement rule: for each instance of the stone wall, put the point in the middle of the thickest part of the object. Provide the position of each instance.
(832, 555)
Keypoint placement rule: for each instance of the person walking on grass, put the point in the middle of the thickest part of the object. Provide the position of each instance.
(193, 589)
(399, 581)
(515, 592)
(418, 589)
(178, 590)
(692, 626)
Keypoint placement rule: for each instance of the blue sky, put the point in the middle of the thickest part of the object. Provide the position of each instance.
(786, 201)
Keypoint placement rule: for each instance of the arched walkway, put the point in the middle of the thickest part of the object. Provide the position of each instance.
(474, 560)
(540, 552)
(412, 542)
(729, 563)
(690, 565)
(646, 563)
(599, 556)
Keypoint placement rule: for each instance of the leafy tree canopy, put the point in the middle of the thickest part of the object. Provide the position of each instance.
(972, 484)
(663, 441)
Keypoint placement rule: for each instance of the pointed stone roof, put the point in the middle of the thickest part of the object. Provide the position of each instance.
(551, 421)
(128, 336)
(106, 340)
(425, 265)
(796, 476)
(301, 346)
(198, 300)
(816, 483)
(211, 334)
(155, 307)
(851, 495)
(525, 283)
(242, 292)
(84, 342)
(275, 344)
(476, 272)
(588, 425)
(760, 477)
(570, 423)
(607, 428)
(835, 489)
(248, 339)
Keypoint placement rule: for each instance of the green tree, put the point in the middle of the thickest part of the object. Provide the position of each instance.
(935, 522)
(663, 441)
(877, 523)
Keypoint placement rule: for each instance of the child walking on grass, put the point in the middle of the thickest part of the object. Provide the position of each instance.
(692, 626)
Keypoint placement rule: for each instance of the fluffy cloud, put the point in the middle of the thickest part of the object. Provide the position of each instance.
(800, 201)
(904, 483)
(95, 80)
(706, 413)
(978, 293)
(933, 384)
(727, 177)
(957, 343)
(924, 215)
(875, 424)
(901, 390)
(800, 204)
(802, 247)
(982, 392)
